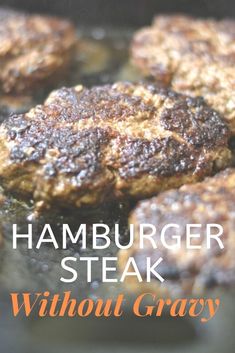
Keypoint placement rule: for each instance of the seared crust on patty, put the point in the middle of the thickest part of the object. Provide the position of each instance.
(194, 56)
(34, 50)
(85, 146)
(209, 202)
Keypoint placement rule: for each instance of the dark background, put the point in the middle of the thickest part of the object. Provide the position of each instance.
(124, 12)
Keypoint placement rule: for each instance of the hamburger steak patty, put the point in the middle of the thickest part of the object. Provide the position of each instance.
(85, 146)
(194, 56)
(209, 202)
(34, 50)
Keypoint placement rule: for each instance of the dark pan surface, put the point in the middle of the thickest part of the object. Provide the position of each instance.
(124, 12)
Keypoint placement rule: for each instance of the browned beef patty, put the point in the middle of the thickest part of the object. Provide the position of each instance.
(193, 56)
(34, 50)
(209, 202)
(85, 146)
